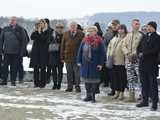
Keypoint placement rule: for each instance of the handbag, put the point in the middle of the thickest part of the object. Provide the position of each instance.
(109, 62)
(54, 45)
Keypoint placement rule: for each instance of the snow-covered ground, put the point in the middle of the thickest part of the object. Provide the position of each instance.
(27, 103)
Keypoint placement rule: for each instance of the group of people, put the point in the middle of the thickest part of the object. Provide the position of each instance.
(118, 58)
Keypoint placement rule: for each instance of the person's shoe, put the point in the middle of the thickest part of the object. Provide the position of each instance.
(121, 96)
(131, 97)
(93, 101)
(3, 83)
(69, 90)
(13, 84)
(21, 81)
(93, 98)
(142, 104)
(35, 86)
(87, 99)
(78, 89)
(154, 107)
(59, 86)
(140, 98)
(112, 93)
(54, 87)
(116, 95)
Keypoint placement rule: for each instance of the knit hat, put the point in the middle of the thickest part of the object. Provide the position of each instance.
(153, 24)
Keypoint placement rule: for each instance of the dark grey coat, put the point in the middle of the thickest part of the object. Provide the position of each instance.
(13, 40)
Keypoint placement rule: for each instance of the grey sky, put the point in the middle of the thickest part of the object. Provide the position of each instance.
(72, 8)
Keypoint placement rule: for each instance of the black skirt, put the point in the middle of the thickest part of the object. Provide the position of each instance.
(119, 77)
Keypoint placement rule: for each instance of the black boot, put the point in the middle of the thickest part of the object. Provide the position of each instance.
(54, 86)
(3, 82)
(93, 98)
(112, 93)
(78, 89)
(13, 83)
(59, 85)
(142, 104)
(154, 107)
(88, 97)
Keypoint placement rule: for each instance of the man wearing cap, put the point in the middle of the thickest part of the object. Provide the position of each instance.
(147, 51)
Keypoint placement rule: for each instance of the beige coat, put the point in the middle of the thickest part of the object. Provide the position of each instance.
(131, 43)
(115, 50)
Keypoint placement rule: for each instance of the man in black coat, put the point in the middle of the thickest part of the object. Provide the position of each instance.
(148, 50)
(12, 45)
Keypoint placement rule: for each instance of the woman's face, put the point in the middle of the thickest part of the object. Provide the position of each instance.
(121, 31)
(42, 24)
(92, 32)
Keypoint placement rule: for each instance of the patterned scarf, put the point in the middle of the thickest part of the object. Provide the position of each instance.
(90, 42)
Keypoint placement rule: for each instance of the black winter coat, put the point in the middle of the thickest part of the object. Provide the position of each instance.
(149, 47)
(39, 53)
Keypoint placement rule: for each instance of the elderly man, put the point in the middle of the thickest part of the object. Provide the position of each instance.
(13, 42)
(69, 48)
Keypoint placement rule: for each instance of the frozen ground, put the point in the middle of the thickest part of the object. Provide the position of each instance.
(27, 103)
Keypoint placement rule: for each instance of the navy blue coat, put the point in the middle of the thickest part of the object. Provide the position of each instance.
(54, 57)
(88, 69)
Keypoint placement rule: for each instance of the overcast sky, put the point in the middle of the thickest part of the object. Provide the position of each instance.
(72, 8)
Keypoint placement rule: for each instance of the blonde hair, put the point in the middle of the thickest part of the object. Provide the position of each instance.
(92, 28)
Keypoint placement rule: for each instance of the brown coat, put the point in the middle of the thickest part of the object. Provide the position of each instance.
(70, 46)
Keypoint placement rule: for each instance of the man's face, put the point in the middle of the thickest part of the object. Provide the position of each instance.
(135, 25)
(59, 29)
(73, 28)
(150, 29)
(115, 27)
(13, 21)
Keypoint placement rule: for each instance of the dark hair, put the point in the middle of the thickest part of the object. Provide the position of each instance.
(79, 27)
(115, 21)
(47, 21)
(100, 33)
(123, 26)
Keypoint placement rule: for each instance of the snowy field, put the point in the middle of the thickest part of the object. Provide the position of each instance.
(27, 103)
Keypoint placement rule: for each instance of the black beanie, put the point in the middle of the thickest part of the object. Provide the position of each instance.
(153, 24)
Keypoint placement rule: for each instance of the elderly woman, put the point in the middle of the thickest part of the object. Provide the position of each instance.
(118, 61)
(91, 59)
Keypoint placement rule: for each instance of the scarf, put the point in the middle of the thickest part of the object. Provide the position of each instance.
(90, 42)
